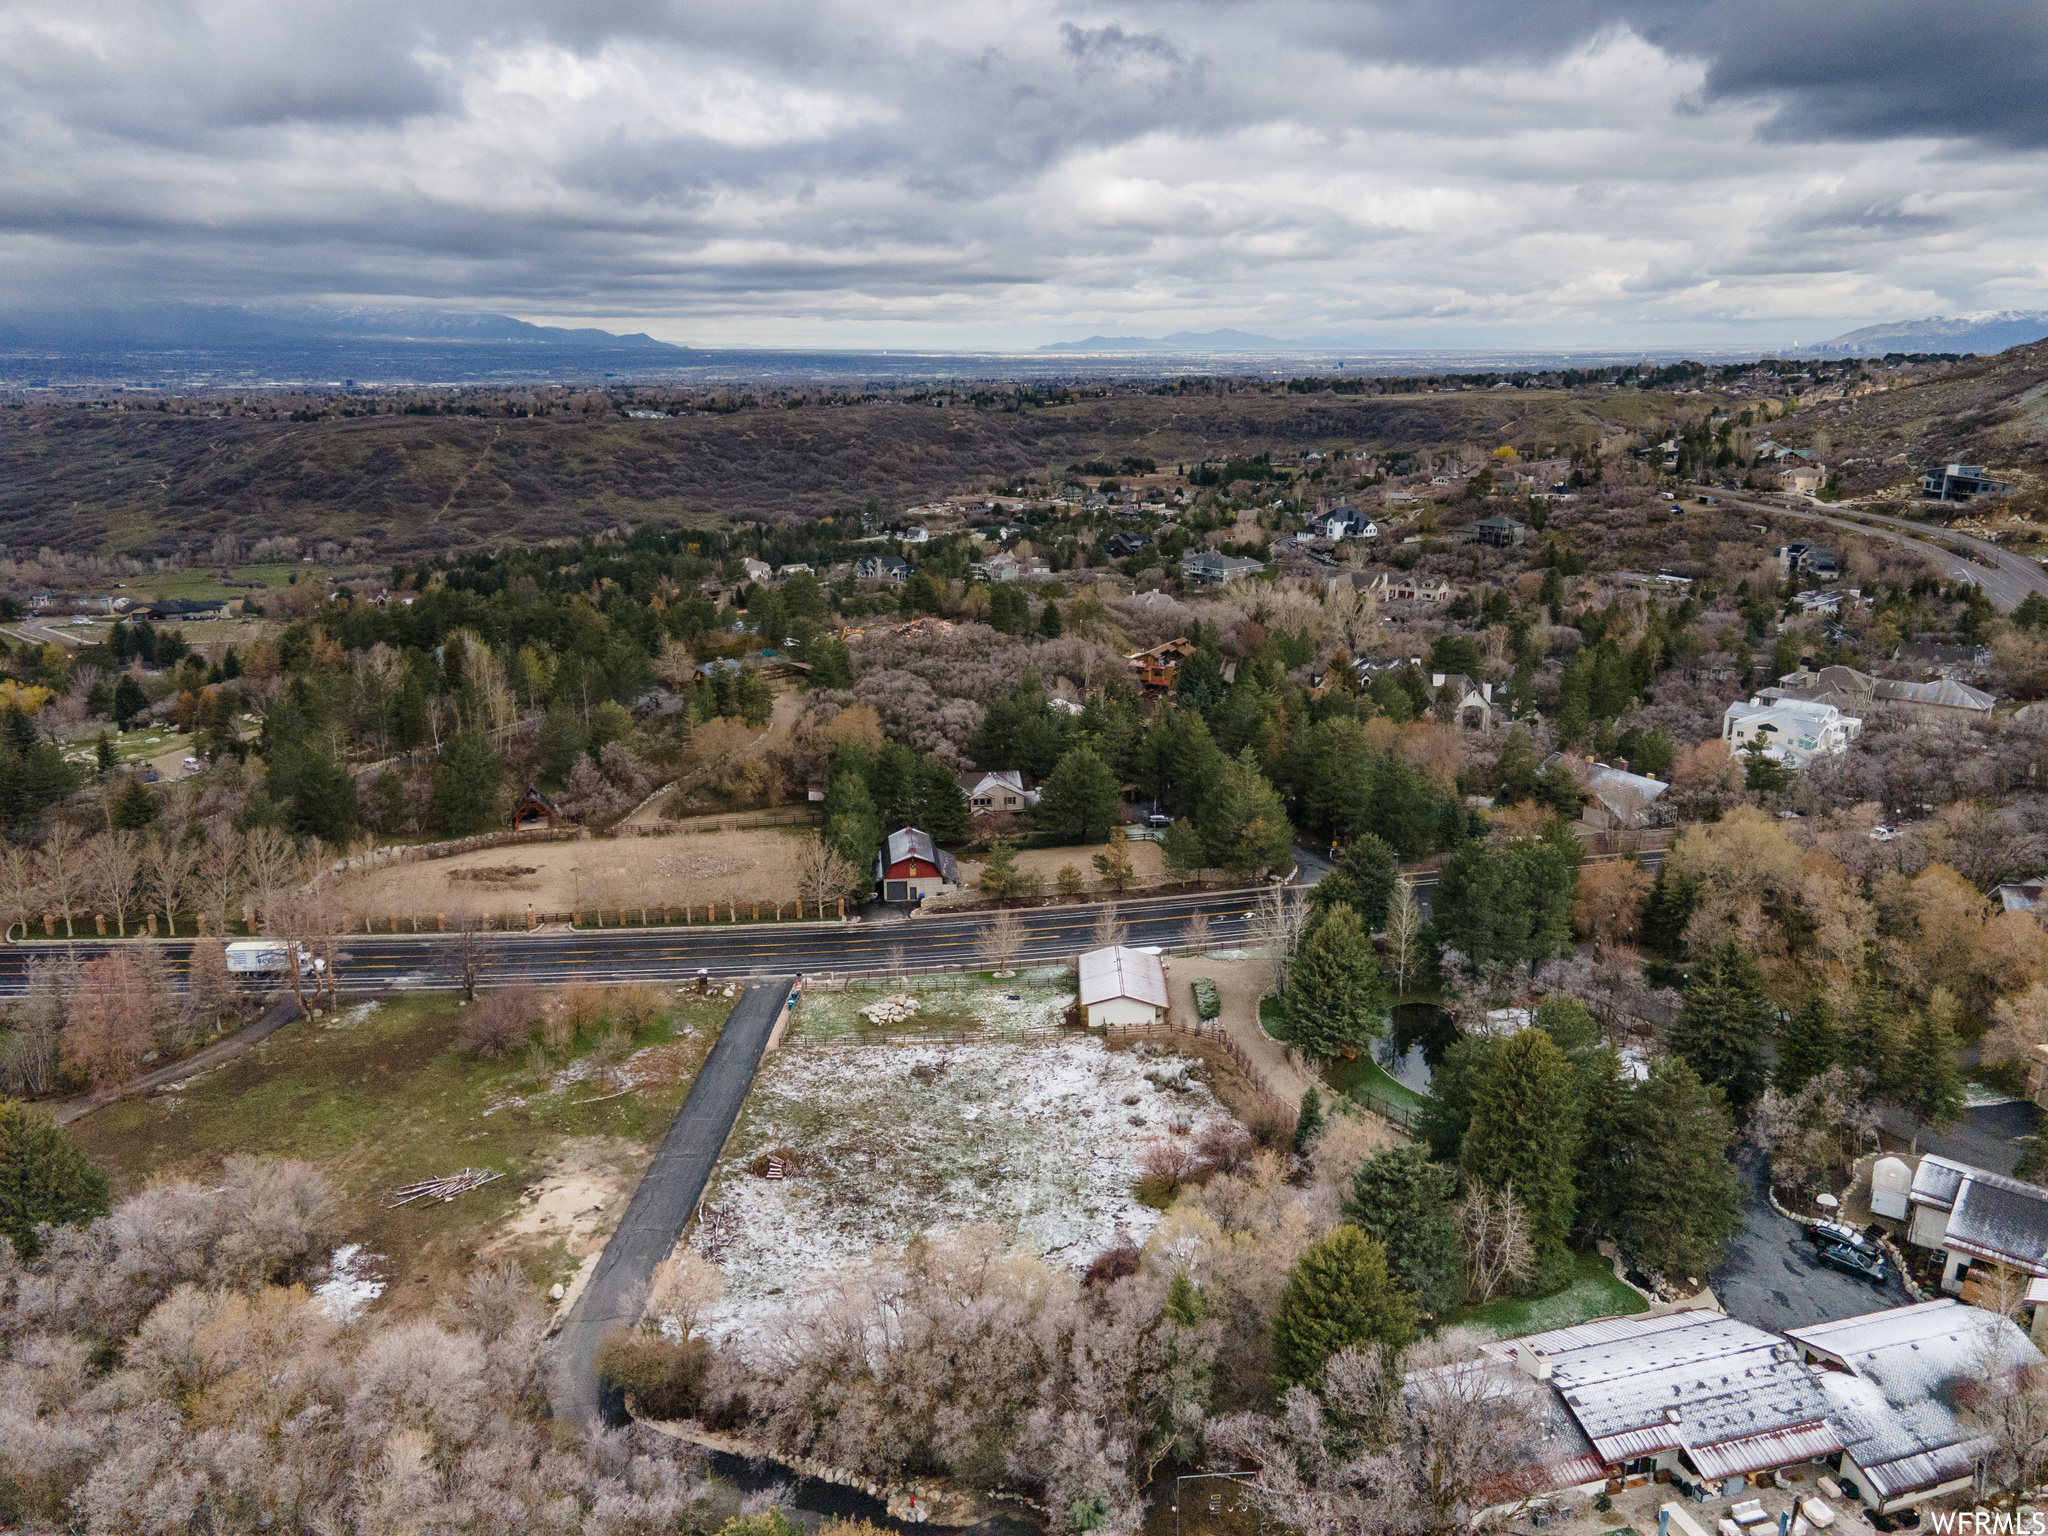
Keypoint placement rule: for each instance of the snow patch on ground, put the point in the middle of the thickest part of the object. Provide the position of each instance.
(1038, 1132)
(352, 1283)
(349, 1018)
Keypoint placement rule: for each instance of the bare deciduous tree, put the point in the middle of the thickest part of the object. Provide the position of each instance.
(469, 953)
(112, 860)
(1001, 938)
(20, 891)
(684, 1289)
(1110, 930)
(274, 865)
(1275, 928)
(221, 874)
(38, 1027)
(1195, 935)
(823, 876)
(109, 1019)
(168, 864)
(62, 870)
(1404, 932)
(1499, 1249)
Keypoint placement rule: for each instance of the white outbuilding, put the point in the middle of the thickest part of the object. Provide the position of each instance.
(1123, 986)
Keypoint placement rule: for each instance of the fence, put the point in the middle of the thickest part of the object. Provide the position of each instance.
(1407, 1116)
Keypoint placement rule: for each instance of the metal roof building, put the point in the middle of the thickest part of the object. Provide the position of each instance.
(1727, 1397)
(1896, 1380)
(1123, 986)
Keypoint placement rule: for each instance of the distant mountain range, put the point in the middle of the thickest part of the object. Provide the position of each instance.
(1984, 334)
(214, 326)
(1179, 341)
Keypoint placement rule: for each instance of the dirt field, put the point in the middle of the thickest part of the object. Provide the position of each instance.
(692, 869)
(1148, 859)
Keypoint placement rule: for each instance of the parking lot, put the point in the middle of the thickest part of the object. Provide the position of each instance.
(1771, 1277)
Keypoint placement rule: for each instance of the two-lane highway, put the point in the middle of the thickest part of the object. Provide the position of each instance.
(2006, 578)
(944, 941)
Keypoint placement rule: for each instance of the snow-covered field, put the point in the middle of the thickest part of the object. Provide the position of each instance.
(1012, 1120)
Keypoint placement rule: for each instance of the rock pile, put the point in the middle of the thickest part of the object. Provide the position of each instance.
(893, 1009)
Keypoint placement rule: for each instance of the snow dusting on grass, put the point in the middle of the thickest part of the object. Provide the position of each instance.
(1004, 1118)
(352, 1283)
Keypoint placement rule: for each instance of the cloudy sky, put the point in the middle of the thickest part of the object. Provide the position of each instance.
(994, 174)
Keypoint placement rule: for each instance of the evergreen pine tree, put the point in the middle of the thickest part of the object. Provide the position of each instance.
(1338, 1296)
(999, 872)
(1807, 1046)
(1932, 1083)
(1364, 879)
(466, 780)
(1724, 1021)
(1525, 1132)
(1335, 999)
(1049, 622)
(562, 740)
(1402, 1201)
(1679, 1200)
(1308, 1120)
(1514, 772)
(44, 1178)
(1078, 802)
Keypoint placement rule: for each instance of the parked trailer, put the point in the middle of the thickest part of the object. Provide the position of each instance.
(269, 957)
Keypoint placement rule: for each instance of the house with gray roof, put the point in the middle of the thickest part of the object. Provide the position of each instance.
(1214, 570)
(1992, 1233)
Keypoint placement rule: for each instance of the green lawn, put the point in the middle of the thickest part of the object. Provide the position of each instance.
(1594, 1292)
(382, 1095)
(198, 583)
(1361, 1073)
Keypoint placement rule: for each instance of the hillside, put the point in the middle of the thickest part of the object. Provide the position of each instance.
(139, 481)
(1991, 411)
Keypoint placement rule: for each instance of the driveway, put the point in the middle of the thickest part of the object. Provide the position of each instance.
(1770, 1278)
(663, 1203)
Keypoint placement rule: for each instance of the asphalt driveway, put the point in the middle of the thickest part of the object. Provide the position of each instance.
(667, 1195)
(1770, 1277)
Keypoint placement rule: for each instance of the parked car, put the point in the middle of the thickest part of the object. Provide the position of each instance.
(1853, 1261)
(1826, 1230)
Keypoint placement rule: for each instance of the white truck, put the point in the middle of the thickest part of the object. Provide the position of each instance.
(269, 957)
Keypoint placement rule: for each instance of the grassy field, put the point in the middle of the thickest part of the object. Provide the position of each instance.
(1594, 1292)
(381, 1095)
(133, 747)
(204, 583)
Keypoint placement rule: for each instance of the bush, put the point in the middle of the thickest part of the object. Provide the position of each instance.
(499, 1022)
(659, 1378)
(1271, 1124)
(1207, 1003)
(1113, 1264)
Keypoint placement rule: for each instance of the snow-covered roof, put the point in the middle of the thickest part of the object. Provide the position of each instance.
(1936, 1181)
(1904, 1370)
(1735, 1398)
(1122, 972)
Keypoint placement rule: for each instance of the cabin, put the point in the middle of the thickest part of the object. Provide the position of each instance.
(533, 809)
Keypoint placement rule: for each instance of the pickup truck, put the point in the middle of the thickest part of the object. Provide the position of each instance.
(269, 957)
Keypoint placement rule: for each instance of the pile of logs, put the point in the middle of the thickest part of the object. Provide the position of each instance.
(447, 1187)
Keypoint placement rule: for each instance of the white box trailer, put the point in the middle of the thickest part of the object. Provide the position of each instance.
(269, 957)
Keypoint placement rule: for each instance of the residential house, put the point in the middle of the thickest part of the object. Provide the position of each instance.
(1420, 589)
(1159, 667)
(1123, 545)
(881, 568)
(757, 570)
(1792, 731)
(1210, 569)
(1959, 482)
(1803, 479)
(996, 792)
(171, 610)
(1499, 532)
(1617, 800)
(2026, 896)
(1942, 701)
(1992, 1234)
(1468, 703)
(1900, 1385)
(910, 867)
(784, 572)
(1122, 986)
(1347, 523)
(1933, 657)
(1002, 567)
(914, 536)
(1815, 560)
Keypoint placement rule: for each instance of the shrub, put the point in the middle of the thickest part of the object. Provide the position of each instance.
(499, 1022)
(1207, 1003)
(1112, 1264)
(1225, 1146)
(658, 1378)
(1271, 1124)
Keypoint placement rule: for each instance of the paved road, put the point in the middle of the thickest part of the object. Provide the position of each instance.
(425, 962)
(663, 1202)
(1770, 1278)
(2006, 580)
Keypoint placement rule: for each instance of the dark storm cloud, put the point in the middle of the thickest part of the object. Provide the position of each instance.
(995, 170)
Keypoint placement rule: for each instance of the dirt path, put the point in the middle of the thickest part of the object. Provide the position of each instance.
(64, 1111)
(1240, 984)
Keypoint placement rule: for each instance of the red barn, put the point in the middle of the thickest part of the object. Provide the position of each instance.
(910, 867)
